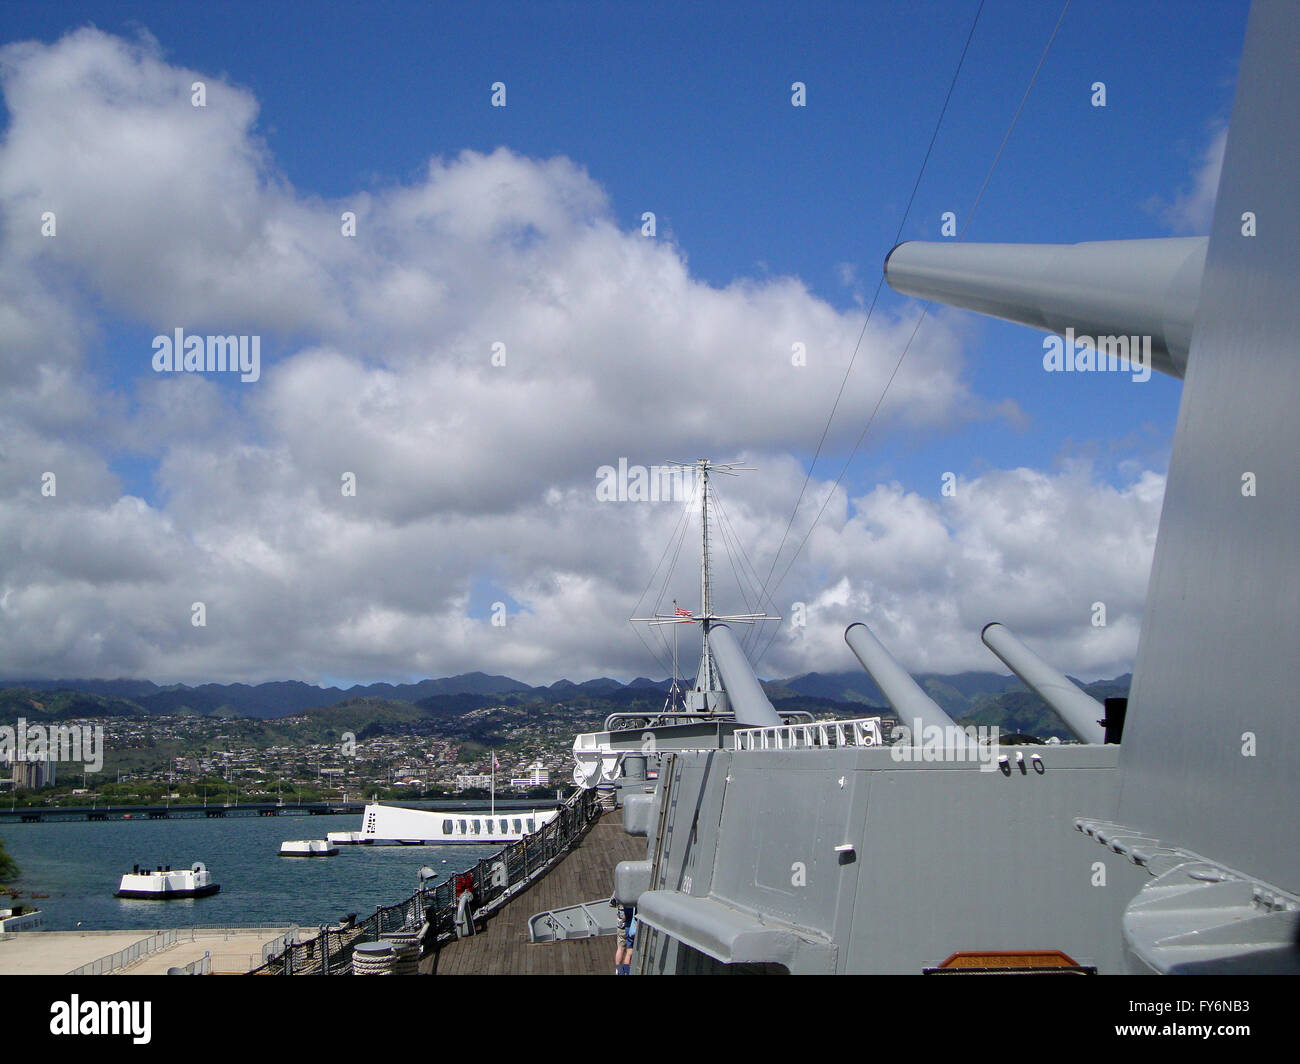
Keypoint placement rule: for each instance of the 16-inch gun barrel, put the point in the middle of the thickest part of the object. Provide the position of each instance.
(1115, 288)
(902, 692)
(750, 704)
(1081, 712)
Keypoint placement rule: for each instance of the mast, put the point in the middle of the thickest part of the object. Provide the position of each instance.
(709, 696)
(707, 678)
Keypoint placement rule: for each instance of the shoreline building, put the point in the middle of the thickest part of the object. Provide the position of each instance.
(538, 776)
(28, 774)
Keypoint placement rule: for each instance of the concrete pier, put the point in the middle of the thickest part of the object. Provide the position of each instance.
(232, 950)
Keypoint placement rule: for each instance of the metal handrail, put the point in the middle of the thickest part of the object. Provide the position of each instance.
(115, 961)
(493, 880)
(202, 966)
(826, 734)
(685, 716)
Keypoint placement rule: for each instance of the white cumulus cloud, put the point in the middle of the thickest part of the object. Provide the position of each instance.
(475, 477)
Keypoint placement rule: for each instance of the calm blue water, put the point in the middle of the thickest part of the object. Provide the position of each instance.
(80, 863)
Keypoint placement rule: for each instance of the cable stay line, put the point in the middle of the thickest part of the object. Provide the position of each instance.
(970, 217)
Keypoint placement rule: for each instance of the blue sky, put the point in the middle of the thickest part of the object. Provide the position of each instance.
(684, 110)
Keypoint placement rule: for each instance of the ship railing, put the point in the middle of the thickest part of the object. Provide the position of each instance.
(626, 720)
(825, 734)
(234, 930)
(200, 966)
(493, 881)
(123, 957)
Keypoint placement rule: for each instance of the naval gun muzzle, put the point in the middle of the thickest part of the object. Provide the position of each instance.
(1081, 712)
(1117, 289)
(748, 701)
(902, 692)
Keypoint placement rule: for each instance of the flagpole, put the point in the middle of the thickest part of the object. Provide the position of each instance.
(674, 648)
(494, 782)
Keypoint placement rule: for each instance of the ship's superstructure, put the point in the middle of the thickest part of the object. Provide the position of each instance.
(779, 845)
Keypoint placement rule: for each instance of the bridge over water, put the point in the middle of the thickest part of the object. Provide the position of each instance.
(50, 814)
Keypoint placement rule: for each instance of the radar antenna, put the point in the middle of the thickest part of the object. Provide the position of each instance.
(708, 696)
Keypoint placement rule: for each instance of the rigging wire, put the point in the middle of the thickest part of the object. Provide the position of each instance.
(672, 566)
(681, 523)
(924, 310)
(727, 538)
(751, 578)
(668, 574)
(911, 199)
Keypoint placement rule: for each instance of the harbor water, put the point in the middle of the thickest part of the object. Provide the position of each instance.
(79, 864)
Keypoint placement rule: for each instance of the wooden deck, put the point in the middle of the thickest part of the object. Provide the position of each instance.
(585, 873)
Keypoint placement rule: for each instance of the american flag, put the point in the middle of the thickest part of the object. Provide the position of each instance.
(683, 613)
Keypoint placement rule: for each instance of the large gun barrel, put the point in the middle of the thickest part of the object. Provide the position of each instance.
(748, 701)
(1081, 713)
(902, 692)
(1115, 288)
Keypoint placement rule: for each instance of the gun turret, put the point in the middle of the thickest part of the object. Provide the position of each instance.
(902, 692)
(750, 704)
(1115, 288)
(1081, 713)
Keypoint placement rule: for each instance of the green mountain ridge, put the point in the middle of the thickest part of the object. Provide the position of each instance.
(970, 698)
